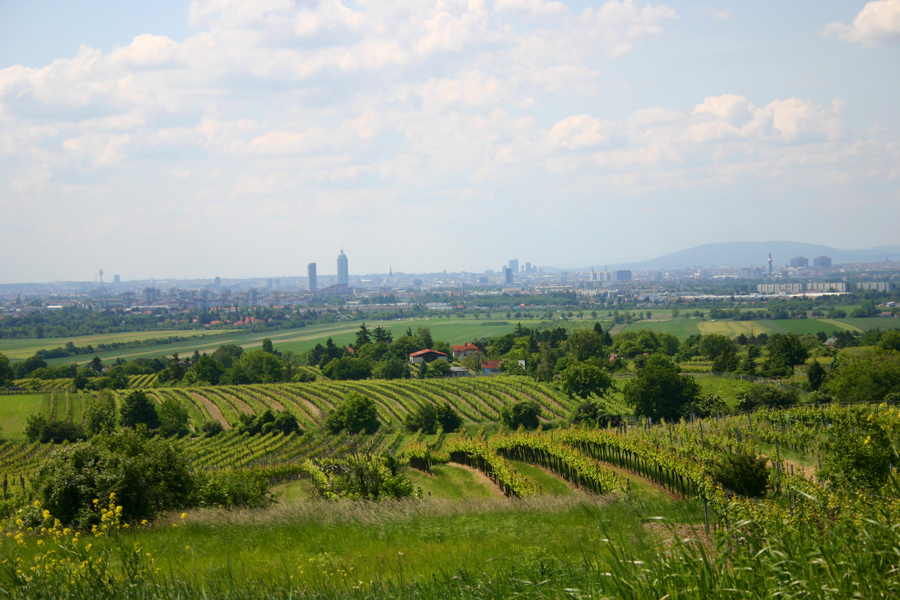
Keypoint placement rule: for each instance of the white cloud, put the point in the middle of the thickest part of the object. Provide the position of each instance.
(877, 23)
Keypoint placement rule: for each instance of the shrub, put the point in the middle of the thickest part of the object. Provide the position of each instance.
(267, 422)
(228, 489)
(39, 429)
(767, 395)
(368, 477)
(137, 409)
(857, 456)
(430, 416)
(526, 413)
(704, 407)
(745, 474)
(594, 413)
(211, 428)
(173, 418)
(100, 415)
(355, 414)
(580, 380)
(659, 391)
(147, 475)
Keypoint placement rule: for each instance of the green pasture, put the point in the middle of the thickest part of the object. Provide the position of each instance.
(16, 408)
(454, 331)
(453, 482)
(22, 349)
(728, 389)
(684, 328)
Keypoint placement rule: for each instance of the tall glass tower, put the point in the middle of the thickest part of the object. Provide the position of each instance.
(343, 272)
(311, 274)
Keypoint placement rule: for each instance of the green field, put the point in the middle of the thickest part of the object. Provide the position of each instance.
(16, 408)
(454, 331)
(684, 328)
(21, 349)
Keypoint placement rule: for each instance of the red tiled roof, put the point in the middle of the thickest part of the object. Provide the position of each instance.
(464, 347)
(490, 364)
(426, 351)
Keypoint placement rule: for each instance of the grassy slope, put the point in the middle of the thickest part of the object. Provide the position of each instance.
(16, 408)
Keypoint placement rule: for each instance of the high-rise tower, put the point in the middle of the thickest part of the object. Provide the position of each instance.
(343, 272)
(311, 274)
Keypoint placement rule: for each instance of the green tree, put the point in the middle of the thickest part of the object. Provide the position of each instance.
(137, 409)
(727, 361)
(263, 367)
(526, 413)
(890, 341)
(429, 417)
(147, 476)
(437, 368)
(857, 456)
(424, 335)
(815, 375)
(714, 344)
(865, 377)
(6, 372)
(206, 371)
(267, 346)
(390, 368)
(228, 354)
(363, 337)
(585, 344)
(173, 418)
(786, 350)
(659, 391)
(355, 414)
(100, 415)
(380, 334)
(352, 369)
(580, 380)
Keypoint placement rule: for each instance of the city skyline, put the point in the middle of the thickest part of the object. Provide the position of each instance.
(610, 131)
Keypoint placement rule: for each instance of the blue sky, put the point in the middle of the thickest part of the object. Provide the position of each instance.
(233, 138)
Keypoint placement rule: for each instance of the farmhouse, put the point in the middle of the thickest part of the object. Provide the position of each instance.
(427, 356)
(466, 350)
(490, 366)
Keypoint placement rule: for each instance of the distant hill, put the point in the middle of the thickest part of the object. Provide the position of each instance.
(748, 254)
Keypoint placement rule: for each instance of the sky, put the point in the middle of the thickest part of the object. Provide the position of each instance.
(248, 138)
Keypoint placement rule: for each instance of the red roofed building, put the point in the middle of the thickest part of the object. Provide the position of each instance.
(490, 366)
(465, 350)
(426, 355)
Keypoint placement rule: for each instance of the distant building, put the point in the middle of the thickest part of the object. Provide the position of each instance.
(464, 350)
(822, 261)
(116, 279)
(426, 356)
(514, 265)
(342, 269)
(878, 286)
(311, 275)
(826, 286)
(489, 367)
(780, 288)
(528, 267)
(799, 262)
(509, 275)
(151, 295)
(624, 275)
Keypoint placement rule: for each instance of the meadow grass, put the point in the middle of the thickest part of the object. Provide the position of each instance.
(19, 349)
(16, 408)
(728, 389)
(453, 331)
(453, 482)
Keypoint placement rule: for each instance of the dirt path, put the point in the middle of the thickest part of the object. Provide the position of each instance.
(481, 477)
(238, 403)
(213, 410)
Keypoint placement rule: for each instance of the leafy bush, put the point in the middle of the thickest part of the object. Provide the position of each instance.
(137, 409)
(767, 395)
(594, 413)
(659, 391)
(148, 475)
(228, 489)
(704, 407)
(745, 474)
(857, 456)
(356, 413)
(267, 422)
(211, 428)
(100, 415)
(173, 418)
(38, 428)
(580, 380)
(368, 477)
(526, 413)
(430, 416)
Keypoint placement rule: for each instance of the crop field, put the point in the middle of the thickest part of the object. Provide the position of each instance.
(684, 328)
(454, 331)
(21, 349)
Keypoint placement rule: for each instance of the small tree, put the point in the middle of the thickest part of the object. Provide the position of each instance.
(815, 375)
(580, 380)
(659, 391)
(100, 415)
(526, 413)
(355, 414)
(430, 416)
(173, 418)
(137, 409)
